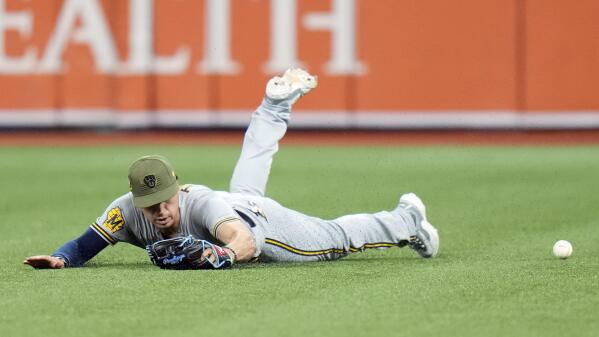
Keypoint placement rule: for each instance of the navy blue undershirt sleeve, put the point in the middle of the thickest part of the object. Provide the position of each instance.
(76, 252)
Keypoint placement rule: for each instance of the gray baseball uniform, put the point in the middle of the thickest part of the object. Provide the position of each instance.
(281, 234)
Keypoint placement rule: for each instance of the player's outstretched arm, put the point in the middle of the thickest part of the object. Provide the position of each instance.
(74, 253)
(237, 239)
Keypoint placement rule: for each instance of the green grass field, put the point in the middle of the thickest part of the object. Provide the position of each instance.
(498, 210)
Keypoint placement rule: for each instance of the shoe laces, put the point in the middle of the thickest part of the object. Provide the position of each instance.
(417, 244)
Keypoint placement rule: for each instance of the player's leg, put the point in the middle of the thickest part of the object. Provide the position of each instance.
(414, 228)
(293, 236)
(267, 126)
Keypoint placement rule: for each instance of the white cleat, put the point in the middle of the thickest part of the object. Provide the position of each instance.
(426, 239)
(294, 84)
(301, 79)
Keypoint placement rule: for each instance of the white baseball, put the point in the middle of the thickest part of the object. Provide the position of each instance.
(562, 249)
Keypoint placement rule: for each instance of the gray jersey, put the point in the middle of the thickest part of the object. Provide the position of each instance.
(201, 210)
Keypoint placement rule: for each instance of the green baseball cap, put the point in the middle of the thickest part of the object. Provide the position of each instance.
(152, 180)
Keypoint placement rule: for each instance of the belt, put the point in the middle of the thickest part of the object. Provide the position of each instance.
(246, 218)
(256, 231)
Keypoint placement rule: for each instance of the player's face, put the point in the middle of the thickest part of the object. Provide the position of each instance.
(164, 216)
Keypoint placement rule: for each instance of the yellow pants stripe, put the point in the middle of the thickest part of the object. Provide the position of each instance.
(326, 251)
(373, 245)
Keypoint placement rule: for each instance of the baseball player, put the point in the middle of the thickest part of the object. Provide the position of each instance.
(243, 224)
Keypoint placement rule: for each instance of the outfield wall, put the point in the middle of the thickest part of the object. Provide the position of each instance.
(381, 63)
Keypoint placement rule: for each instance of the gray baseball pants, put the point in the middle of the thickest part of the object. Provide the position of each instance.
(283, 234)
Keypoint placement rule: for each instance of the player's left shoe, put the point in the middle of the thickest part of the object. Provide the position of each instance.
(294, 84)
(425, 240)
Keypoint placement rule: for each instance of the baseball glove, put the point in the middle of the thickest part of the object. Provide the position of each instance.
(186, 253)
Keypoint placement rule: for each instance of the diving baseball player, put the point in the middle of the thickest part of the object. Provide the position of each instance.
(243, 224)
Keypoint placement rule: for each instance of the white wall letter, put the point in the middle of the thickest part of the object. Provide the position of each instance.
(283, 36)
(141, 49)
(217, 45)
(342, 24)
(22, 23)
(93, 31)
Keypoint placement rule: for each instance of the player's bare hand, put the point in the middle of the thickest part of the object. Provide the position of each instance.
(44, 262)
(208, 255)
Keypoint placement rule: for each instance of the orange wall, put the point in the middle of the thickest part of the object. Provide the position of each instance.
(472, 55)
(562, 55)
